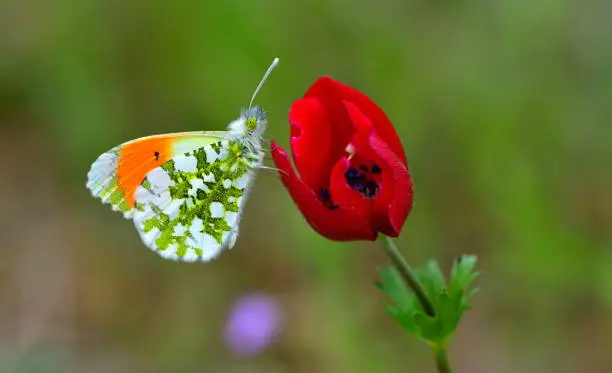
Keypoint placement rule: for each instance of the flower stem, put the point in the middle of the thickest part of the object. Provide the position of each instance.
(441, 358)
(408, 274)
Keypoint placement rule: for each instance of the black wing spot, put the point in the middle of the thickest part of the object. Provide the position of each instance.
(156, 155)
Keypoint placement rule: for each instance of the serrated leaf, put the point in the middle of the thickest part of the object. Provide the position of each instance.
(432, 279)
(405, 319)
(462, 272)
(393, 286)
(449, 301)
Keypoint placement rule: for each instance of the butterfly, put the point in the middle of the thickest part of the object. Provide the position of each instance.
(185, 192)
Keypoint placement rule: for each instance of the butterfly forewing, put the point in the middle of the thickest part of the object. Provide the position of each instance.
(116, 174)
(189, 207)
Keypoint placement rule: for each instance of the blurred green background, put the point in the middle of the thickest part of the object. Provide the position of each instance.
(505, 112)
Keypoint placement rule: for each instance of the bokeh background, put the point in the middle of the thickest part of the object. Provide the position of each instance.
(505, 111)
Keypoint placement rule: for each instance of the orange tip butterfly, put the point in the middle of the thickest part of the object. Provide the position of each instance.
(185, 191)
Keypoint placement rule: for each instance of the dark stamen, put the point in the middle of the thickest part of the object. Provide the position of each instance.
(361, 183)
(364, 168)
(353, 174)
(325, 194)
(326, 197)
(376, 169)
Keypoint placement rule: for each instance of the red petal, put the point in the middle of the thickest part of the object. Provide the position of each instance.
(394, 200)
(339, 224)
(401, 203)
(325, 91)
(310, 142)
(331, 92)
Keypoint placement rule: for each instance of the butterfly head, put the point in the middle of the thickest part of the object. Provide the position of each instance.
(252, 123)
(255, 119)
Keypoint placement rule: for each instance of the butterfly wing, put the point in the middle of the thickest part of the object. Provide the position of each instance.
(184, 191)
(189, 208)
(116, 174)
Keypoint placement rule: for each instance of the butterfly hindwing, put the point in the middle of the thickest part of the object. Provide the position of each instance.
(189, 207)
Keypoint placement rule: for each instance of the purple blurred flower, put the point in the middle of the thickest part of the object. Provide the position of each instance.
(252, 324)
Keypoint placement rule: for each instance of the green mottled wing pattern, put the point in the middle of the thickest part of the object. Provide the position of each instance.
(189, 208)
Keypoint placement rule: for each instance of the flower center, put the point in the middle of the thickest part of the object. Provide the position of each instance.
(359, 180)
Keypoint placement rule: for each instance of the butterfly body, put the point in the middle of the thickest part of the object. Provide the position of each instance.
(184, 191)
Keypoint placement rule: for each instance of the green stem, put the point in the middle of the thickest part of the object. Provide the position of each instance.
(441, 358)
(408, 274)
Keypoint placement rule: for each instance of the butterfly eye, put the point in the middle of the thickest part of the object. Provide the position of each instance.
(251, 124)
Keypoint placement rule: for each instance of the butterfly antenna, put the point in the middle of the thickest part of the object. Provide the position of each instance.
(265, 77)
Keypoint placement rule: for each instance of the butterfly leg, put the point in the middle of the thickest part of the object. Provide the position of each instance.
(272, 169)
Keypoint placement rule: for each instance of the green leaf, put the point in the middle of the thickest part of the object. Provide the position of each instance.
(405, 319)
(391, 283)
(450, 299)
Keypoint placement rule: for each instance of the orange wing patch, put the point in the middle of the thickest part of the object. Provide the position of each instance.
(117, 173)
(137, 158)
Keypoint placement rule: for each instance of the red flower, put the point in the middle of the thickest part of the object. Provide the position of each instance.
(353, 179)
